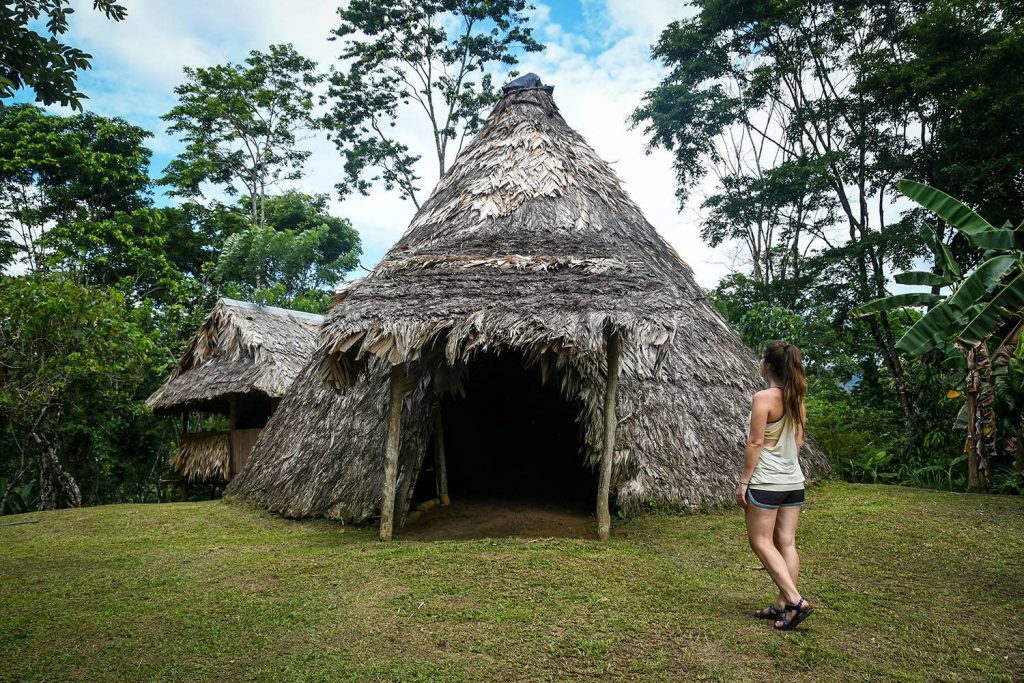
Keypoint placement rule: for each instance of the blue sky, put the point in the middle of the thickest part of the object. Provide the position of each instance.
(597, 57)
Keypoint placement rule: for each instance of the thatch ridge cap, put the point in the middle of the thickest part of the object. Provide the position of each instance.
(274, 310)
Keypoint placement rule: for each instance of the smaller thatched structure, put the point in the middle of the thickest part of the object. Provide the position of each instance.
(239, 365)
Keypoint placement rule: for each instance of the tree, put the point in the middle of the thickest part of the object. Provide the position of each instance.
(293, 261)
(434, 53)
(61, 171)
(49, 67)
(300, 212)
(780, 72)
(240, 124)
(951, 71)
(856, 95)
(75, 198)
(778, 213)
(982, 318)
(73, 358)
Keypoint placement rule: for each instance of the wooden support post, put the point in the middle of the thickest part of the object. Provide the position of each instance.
(232, 426)
(387, 504)
(183, 482)
(604, 518)
(440, 466)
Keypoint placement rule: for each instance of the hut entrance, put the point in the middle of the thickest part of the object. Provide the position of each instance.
(513, 450)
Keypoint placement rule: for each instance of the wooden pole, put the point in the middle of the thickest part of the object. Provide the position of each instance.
(604, 517)
(232, 455)
(183, 482)
(387, 504)
(440, 466)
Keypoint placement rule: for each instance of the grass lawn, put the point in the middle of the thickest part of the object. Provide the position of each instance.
(908, 584)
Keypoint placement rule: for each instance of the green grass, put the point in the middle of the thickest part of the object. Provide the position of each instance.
(908, 584)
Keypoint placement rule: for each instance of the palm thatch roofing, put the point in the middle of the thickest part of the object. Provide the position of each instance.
(203, 456)
(241, 348)
(528, 244)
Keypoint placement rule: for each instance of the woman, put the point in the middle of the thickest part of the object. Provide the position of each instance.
(771, 487)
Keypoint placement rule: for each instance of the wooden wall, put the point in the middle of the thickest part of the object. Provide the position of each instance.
(242, 441)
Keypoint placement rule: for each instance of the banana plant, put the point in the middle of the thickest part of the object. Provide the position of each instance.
(984, 309)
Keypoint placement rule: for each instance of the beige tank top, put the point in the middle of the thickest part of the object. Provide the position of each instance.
(778, 468)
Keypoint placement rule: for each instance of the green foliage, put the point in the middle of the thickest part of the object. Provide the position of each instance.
(809, 112)
(300, 212)
(867, 442)
(962, 73)
(763, 323)
(76, 362)
(1008, 476)
(43, 63)
(830, 345)
(114, 287)
(434, 54)
(126, 251)
(989, 299)
(266, 266)
(20, 499)
(240, 124)
(860, 438)
(293, 262)
(58, 171)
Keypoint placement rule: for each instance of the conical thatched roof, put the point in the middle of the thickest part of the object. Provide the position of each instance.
(529, 242)
(241, 348)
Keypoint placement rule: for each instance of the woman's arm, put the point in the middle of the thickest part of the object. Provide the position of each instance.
(755, 442)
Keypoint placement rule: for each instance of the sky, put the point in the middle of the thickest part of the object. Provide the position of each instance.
(597, 57)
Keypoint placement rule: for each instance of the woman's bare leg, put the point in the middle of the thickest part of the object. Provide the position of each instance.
(760, 532)
(784, 539)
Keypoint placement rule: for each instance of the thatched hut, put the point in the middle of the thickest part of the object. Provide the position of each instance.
(484, 351)
(238, 366)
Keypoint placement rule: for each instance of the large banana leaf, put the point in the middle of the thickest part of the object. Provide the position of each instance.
(928, 332)
(1007, 301)
(922, 277)
(983, 280)
(1006, 240)
(888, 303)
(948, 209)
(943, 256)
(946, 318)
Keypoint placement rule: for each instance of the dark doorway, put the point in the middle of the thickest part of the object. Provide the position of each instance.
(252, 411)
(512, 438)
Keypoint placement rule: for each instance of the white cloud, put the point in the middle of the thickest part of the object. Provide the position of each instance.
(600, 76)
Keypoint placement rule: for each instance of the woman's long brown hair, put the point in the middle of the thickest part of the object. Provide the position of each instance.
(787, 367)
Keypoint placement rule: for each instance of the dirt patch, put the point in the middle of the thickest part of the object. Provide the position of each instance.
(471, 518)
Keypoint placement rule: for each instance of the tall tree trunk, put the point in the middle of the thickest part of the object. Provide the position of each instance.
(890, 357)
(986, 416)
(56, 485)
(981, 417)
